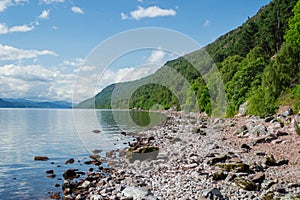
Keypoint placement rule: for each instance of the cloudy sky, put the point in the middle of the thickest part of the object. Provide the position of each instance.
(44, 43)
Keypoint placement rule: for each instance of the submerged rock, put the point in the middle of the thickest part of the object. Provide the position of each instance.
(70, 161)
(41, 158)
(69, 174)
(96, 131)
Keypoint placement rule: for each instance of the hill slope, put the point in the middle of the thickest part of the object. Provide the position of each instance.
(257, 62)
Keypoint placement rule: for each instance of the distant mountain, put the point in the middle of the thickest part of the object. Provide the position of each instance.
(24, 103)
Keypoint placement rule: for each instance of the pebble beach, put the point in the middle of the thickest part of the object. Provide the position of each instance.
(192, 156)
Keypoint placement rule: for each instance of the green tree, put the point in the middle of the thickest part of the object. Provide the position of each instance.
(293, 34)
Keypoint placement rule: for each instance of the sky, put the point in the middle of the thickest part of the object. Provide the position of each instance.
(44, 44)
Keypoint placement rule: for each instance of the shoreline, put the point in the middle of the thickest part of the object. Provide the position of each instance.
(200, 158)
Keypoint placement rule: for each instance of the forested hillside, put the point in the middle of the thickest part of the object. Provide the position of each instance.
(257, 63)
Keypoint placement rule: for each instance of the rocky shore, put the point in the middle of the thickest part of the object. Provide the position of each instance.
(192, 156)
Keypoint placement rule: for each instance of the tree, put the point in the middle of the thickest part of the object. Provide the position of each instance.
(293, 34)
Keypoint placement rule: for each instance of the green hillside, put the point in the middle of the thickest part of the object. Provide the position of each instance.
(257, 62)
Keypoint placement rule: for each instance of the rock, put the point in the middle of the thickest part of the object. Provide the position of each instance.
(175, 140)
(245, 184)
(70, 161)
(123, 133)
(216, 160)
(95, 157)
(217, 176)
(281, 190)
(258, 131)
(41, 158)
(258, 177)
(95, 151)
(269, 119)
(270, 161)
(235, 160)
(69, 174)
(142, 153)
(293, 185)
(49, 171)
(259, 153)
(282, 162)
(51, 176)
(246, 147)
(265, 139)
(242, 129)
(237, 167)
(137, 193)
(277, 141)
(288, 112)
(96, 131)
(281, 133)
(243, 109)
(257, 167)
(55, 196)
(85, 184)
(199, 131)
(267, 184)
(212, 193)
(96, 197)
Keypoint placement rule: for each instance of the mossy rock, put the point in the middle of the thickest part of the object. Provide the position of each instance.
(146, 149)
(216, 160)
(238, 167)
(268, 196)
(246, 184)
(219, 176)
(142, 153)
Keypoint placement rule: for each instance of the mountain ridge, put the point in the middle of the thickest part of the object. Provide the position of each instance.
(24, 103)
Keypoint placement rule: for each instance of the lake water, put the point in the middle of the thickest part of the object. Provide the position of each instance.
(59, 135)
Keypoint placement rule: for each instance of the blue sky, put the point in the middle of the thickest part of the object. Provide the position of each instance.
(43, 43)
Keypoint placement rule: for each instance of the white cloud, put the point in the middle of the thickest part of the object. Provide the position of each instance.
(35, 81)
(23, 28)
(151, 12)
(54, 27)
(87, 68)
(77, 10)
(206, 23)
(12, 53)
(76, 63)
(157, 56)
(4, 4)
(124, 16)
(45, 14)
(52, 1)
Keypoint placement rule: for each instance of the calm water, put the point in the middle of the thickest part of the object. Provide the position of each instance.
(59, 135)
